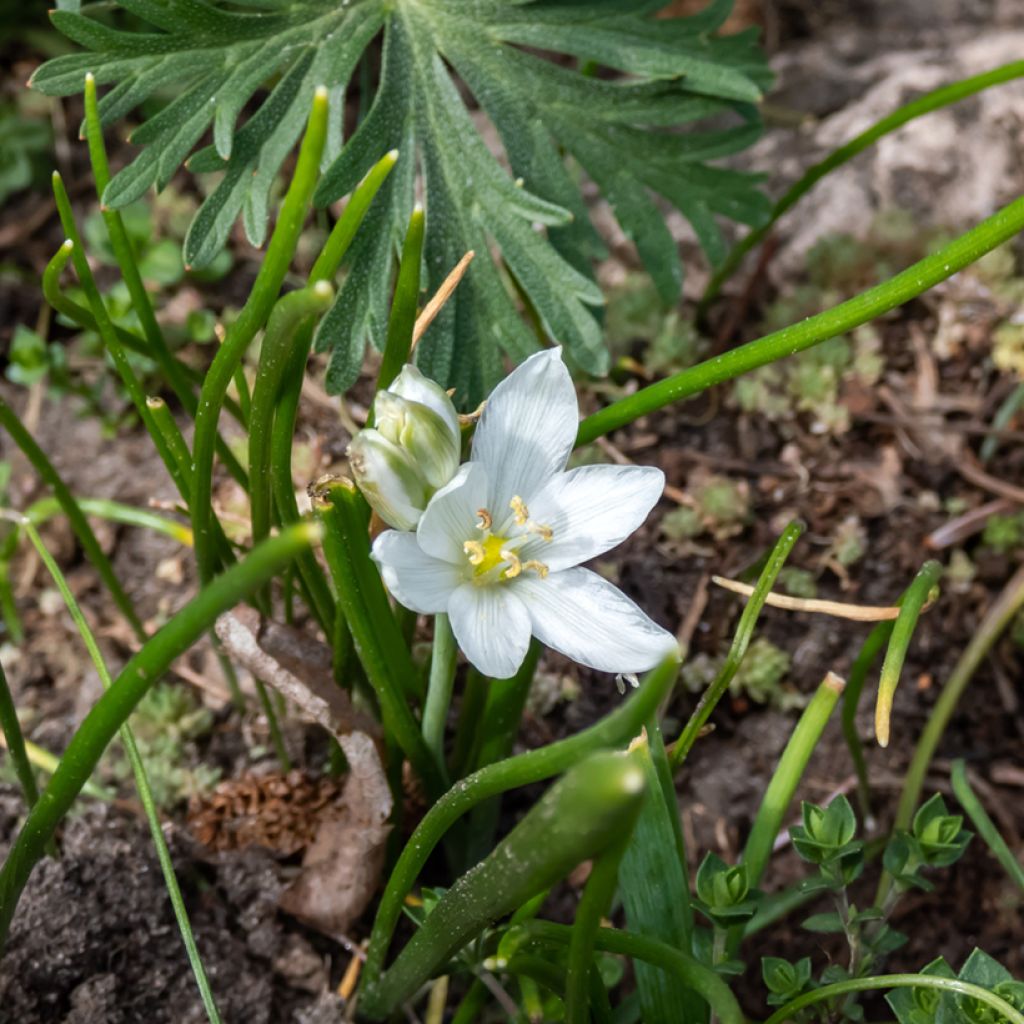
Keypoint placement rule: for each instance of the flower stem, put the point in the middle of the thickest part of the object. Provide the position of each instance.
(113, 708)
(906, 285)
(252, 317)
(379, 645)
(534, 766)
(889, 981)
(744, 632)
(934, 100)
(439, 688)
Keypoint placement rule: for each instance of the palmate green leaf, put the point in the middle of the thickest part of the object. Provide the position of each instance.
(243, 75)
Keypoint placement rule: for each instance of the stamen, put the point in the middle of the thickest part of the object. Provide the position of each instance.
(522, 513)
(486, 521)
(545, 532)
(475, 550)
(515, 567)
(538, 567)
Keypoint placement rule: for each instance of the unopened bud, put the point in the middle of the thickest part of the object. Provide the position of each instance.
(421, 433)
(388, 479)
(412, 450)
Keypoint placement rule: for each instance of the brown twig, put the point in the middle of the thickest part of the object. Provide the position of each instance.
(838, 609)
(440, 297)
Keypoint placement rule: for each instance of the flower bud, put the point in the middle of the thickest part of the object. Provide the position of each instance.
(388, 479)
(412, 385)
(421, 433)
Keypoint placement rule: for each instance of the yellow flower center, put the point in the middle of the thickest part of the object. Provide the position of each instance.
(494, 557)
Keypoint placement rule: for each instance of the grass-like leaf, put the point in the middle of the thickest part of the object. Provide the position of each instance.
(213, 62)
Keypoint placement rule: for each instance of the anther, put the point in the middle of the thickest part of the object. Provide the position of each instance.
(522, 513)
(486, 521)
(475, 550)
(544, 532)
(538, 567)
(515, 567)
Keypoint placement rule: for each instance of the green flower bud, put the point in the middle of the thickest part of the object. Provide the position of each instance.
(421, 433)
(412, 450)
(388, 479)
(412, 385)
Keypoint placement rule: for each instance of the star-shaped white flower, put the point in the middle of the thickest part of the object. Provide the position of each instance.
(499, 547)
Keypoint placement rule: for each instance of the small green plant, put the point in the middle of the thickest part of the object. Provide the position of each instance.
(167, 724)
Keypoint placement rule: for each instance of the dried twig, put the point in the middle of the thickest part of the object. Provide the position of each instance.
(838, 609)
(441, 296)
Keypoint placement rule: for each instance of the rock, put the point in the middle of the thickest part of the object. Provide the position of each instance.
(951, 168)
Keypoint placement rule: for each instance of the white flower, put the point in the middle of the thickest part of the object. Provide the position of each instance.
(412, 450)
(499, 547)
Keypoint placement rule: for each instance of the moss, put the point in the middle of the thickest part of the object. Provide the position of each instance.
(166, 725)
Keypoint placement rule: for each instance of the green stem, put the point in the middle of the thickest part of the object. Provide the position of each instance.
(902, 632)
(15, 742)
(840, 319)
(252, 317)
(122, 247)
(1009, 408)
(998, 617)
(616, 729)
(141, 780)
(439, 688)
(273, 725)
(83, 318)
(472, 1004)
(871, 648)
(498, 728)
(889, 981)
(691, 972)
(593, 906)
(82, 530)
(403, 305)
(113, 512)
(320, 599)
(984, 824)
(113, 708)
(283, 329)
(787, 775)
(364, 602)
(580, 816)
(934, 100)
(744, 632)
(105, 327)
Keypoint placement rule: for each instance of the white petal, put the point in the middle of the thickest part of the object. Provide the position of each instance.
(492, 627)
(527, 430)
(451, 516)
(590, 510)
(416, 580)
(411, 384)
(589, 620)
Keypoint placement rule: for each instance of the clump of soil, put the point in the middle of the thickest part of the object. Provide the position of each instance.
(95, 940)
